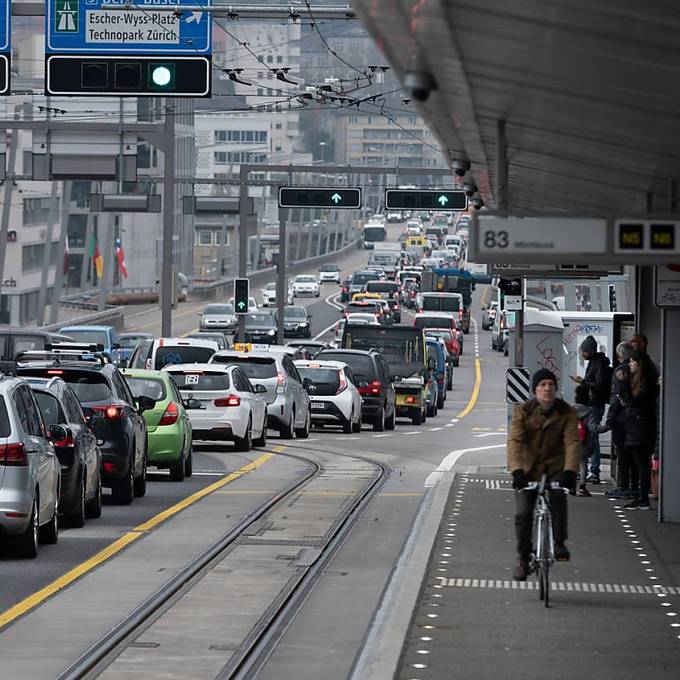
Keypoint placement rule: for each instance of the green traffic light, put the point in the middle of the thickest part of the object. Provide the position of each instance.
(443, 200)
(336, 198)
(161, 76)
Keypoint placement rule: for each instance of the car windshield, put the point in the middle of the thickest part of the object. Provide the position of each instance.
(435, 303)
(438, 333)
(382, 287)
(432, 322)
(182, 354)
(131, 341)
(218, 309)
(88, 386)
(270, 286)
(305, 279)
(88, 336)
(361, 364)
(253, 367)
(200, 380)
(146, 387)
(329, 268)
(260, 320)
(402, 348)
(326, 380)
(294, 313)
(217, 338)
(5, 428)
(363, 277)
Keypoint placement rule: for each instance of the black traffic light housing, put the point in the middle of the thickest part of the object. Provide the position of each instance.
(241, 295)
(510, 286)
(4, 73)
(122, 76)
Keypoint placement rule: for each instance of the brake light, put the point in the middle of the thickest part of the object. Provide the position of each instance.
(55, 371)
(410, 399)
(68, 442)
(171, 414)
(113, 412)
(13, 454)
(109, 467)
(460, 315)
(280, 383)
(343, 382)
(375, 387)
(231, 400)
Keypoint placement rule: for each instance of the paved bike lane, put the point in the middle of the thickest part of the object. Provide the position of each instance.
(615, 607)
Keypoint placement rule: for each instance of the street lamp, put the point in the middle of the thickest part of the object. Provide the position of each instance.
(323, 146)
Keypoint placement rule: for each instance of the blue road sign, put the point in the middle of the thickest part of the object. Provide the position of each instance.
(5, 20)
(88, 27)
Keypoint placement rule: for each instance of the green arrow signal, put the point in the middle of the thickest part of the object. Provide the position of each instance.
(241, 305)
(442, 200)
(336, 198)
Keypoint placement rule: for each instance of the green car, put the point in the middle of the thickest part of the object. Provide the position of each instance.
(167, 424)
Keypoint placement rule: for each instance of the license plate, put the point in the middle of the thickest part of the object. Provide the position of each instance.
(317, 405)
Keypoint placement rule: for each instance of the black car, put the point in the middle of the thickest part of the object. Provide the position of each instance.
(78, 454)
(260, 327)
(297, 322)
(344, 289)
(374, 382)
(111, 411)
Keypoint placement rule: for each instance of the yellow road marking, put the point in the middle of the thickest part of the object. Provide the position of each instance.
(37, 598)
(193, 330)
(481, 429)
(475, 390)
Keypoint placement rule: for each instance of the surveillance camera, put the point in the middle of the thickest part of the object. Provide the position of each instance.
(419, 84)
(469, 189)
(406, 100)
(477, 203)
(460, 167)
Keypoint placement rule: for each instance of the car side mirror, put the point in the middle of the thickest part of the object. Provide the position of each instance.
(431, 364)
(58, 434)
(145, 403)
(260, 389)
(362, 384)
(192, 403)
(308, 384)
(123, 363)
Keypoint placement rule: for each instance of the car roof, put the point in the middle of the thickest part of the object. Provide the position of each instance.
(136, 334)
(179, 342)
(228, 353)
(365, 352)
(70, 329)
(313, 363)
(144, 373)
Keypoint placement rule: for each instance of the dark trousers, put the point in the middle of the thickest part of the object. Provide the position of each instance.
(628, 472)
(524, 519)
(642, 455)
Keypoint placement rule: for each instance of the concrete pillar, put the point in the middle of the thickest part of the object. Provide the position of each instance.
(669, 481)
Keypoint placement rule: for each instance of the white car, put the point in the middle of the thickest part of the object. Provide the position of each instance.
(252, 304)
(334, 394)
(269, 295)
(362, 319)
(222, 403)
(306, 284)
(329, 273)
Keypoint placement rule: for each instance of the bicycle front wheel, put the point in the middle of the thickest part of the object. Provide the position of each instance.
(546, 552)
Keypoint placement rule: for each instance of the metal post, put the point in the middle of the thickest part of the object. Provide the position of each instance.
(107, 257)
(281, 275)
(242, 241)
(59, 268)
(86, 265)
(7, 201)
(222, 258)
(168, 219)
(47, 258)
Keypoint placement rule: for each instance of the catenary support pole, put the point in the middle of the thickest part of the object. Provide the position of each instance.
(107, 257)
(86, 263)
(281, 274)
(168, 219)
(52, 215)
(242, 241)
(59, 267)
(7, 201)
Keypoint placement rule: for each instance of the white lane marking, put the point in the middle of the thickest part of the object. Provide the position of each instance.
(451, 459)
(329, 301)
(449, 424)
(414, 432)
(377, 436)
(583, 587)
(490, 434)
(436, 429)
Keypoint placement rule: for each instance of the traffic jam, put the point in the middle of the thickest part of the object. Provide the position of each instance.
(85, 412)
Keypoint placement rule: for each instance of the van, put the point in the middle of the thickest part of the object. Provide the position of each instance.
(168, 351)
(14, 339)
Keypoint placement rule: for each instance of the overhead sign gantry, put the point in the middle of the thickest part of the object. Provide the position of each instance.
(320, 197)
(5, 44)
(417, 199)
(138, 50)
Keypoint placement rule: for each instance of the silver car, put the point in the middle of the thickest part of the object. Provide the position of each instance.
(219, 317)
(288, 409)
(30, 474)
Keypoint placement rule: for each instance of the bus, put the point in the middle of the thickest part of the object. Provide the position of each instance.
(374, 232)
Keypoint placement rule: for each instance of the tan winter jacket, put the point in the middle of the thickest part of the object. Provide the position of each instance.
(539, 444)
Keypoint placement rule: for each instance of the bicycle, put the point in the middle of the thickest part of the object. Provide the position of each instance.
(543, 550)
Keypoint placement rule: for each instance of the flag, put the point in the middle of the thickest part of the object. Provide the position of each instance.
(96, 257)
(120, 258)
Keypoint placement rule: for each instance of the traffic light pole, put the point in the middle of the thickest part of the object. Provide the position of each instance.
(168, 220)
(281, 275)
(242, 242)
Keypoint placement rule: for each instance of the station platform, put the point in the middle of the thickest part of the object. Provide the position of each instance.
(615, 607)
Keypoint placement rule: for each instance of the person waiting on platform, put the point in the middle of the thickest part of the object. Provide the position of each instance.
(543, 440)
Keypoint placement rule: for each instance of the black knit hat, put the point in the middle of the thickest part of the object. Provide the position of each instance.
(589, 345)
(542, 374)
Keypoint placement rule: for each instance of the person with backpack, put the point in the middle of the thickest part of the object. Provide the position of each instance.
(597, 379)
(585, 434)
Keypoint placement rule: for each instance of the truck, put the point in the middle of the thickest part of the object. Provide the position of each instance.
(451, 280)
(386, 255)
(405, 352)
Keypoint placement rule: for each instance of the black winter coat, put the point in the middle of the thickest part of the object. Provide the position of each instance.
(598, 379)
(640, 419)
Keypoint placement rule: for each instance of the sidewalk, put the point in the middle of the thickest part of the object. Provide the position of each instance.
(615, 606)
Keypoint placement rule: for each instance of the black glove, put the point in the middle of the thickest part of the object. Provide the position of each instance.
(567, 479)
(519, 480)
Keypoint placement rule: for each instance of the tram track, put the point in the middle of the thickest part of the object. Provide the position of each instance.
(257, 643)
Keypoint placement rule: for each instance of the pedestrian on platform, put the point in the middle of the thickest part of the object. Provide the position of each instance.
(640, 422)
(598, 381)
(616, 419)
(543, 440)
(585, 433)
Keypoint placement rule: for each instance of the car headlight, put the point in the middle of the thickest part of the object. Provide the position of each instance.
(271, 332)
(302, 325)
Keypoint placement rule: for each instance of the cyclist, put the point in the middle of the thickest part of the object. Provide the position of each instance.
(543, 439)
